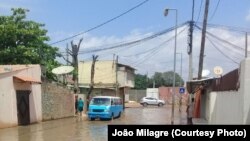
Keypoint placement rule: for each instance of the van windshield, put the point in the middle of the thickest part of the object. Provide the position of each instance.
(100, 101)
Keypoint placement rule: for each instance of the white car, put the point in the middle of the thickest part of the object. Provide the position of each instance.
(151, 101)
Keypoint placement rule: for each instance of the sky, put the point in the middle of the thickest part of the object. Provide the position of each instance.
(65, 18)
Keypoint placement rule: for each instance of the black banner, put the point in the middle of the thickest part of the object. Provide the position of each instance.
(178, 132)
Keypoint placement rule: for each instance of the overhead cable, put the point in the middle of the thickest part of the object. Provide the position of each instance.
(102, 24)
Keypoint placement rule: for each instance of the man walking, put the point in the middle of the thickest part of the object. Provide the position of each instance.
(190, 108)
(76, 106)
(80, 106)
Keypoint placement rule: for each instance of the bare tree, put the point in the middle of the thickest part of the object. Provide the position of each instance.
(74, 54)
(91, 85)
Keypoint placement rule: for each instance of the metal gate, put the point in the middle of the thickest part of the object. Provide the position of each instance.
(23, 110)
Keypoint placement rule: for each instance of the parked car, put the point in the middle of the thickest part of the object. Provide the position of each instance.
(151, 101)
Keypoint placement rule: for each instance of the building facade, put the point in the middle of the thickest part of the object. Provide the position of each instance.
(110, 78)
(20, 92)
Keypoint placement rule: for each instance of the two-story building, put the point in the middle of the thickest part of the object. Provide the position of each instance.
(110, 78)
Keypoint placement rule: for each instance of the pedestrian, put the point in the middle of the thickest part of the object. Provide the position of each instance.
(190, 108)
(76, 105)
(180, 102)
(80, 106)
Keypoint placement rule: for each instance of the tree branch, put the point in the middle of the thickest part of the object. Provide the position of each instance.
(79, 44)
(67, 60)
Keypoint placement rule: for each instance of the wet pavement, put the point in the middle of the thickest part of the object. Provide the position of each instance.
(80, 129)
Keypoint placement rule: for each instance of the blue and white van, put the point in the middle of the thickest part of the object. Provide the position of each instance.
(105, 107)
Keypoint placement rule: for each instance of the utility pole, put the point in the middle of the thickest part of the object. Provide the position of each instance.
(116, 77)
(246, 46)
(190, 45)
(203, 40)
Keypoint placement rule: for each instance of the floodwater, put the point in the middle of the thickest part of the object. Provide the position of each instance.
(80, 129)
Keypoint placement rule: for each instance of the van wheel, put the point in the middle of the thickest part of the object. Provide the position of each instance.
(145, 104)
(160, 104)
(92, 119)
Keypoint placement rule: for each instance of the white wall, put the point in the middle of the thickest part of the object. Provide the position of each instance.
(153, 92)
(8, 106)
(231, 107)
(245, 89)
(35, 103)
(8, 109)
(224, 108)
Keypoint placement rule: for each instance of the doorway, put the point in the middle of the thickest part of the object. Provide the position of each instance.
(23, 110)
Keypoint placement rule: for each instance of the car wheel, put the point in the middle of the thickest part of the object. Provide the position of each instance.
(160, 104)
(145, 104)
(92, 119)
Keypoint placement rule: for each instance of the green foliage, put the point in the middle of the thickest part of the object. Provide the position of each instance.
(24, 42)
(165, 79)
(141, 81)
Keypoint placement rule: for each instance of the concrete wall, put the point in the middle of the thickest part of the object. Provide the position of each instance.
(136, 95)
(165, 93)
(57, 102)
(8, 107)
(152, 92)
(8, 101)
(224, 108)
(245, 89)
(126, 77)
(105, 72)
(231, 107)
(105, 75)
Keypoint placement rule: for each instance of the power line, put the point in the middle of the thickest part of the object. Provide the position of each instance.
(199, 11)
(157, 49)
(102, 24)
(134, 42)
(215, 10)
(220, 44)
(225, 41)
(231, 28)
(221, 51)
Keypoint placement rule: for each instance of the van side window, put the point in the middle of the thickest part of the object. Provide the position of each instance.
(119, 101)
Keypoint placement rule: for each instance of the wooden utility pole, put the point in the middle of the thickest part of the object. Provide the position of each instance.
(91, 86)
(203, 37)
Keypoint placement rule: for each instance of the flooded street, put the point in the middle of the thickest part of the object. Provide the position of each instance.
(76, 129)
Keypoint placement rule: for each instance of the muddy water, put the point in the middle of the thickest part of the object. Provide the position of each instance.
(80, 129)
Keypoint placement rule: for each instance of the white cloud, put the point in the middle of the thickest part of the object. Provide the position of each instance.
(160, 58)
